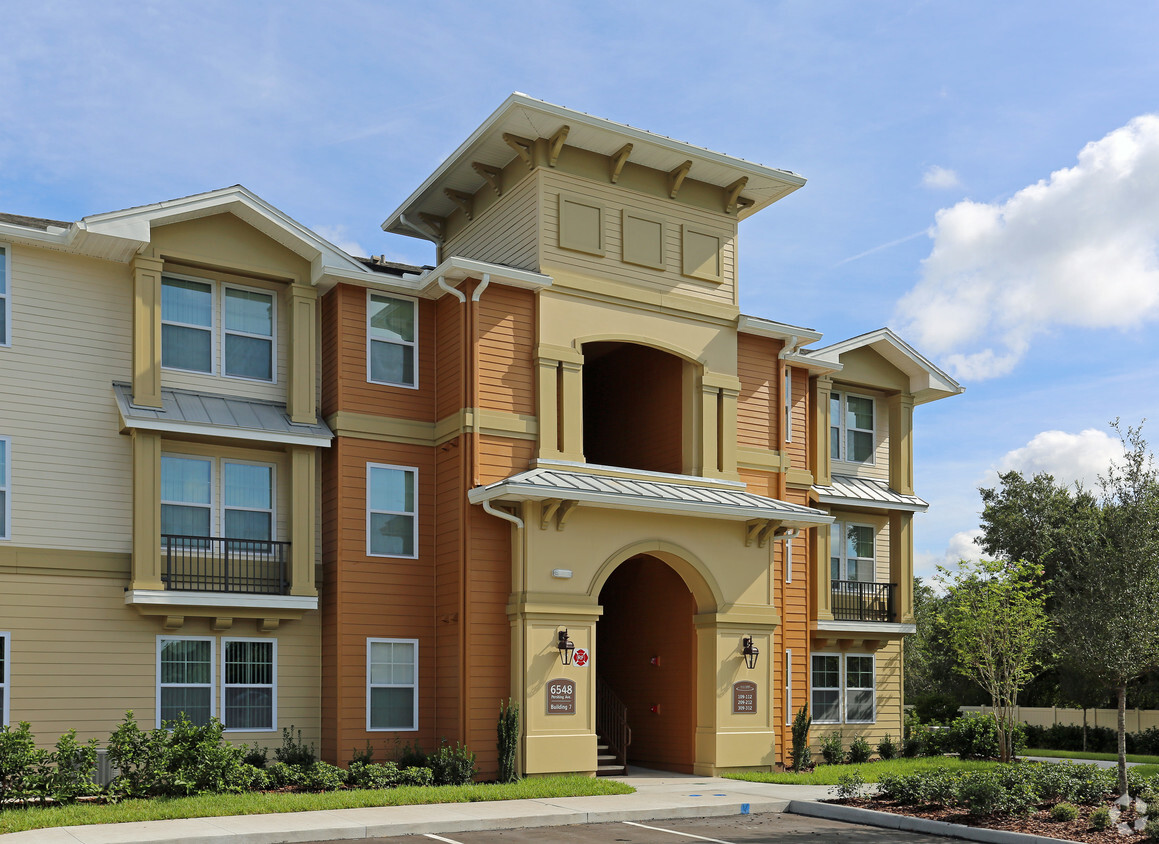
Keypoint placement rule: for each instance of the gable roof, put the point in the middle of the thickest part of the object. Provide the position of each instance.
(927, 382)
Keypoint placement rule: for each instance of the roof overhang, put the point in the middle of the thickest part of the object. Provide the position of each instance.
(848, 491)
(426, 284)
(687, 496)
(526, 117)
(926, 381)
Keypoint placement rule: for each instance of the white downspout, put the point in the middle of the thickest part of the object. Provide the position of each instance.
(515, 520)
(446, 288)
(479, 290)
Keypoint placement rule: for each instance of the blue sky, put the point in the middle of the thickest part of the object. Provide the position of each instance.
(983, 177)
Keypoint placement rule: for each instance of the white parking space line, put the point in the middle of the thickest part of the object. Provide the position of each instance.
(440, 838)
(674, 832)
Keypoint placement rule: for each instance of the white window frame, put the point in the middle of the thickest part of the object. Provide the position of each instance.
(6, 295)
(843, 565)
(414, 344)
(216, 504)
(161, 640)
(273, 686)
(6, 488)
(846, 688)
(843, 456)
(788, 390)
(217, 330)
(838, 688)
(370, 467)
(5, 675)
(369, 643)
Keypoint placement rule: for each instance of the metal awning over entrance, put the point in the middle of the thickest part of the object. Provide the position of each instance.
(702, 497)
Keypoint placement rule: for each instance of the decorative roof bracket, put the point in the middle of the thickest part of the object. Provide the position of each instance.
(437, 224)
(464, 200)
(522, 147)
(619, 159)
(556, 144)
(732, 194)
(493, 175)
(676, 178)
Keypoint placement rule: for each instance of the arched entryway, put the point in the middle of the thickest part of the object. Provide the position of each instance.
(646, 646)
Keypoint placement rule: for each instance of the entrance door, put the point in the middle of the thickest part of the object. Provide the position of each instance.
(646, 654)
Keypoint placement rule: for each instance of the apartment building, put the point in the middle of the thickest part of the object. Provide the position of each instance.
(247, 475)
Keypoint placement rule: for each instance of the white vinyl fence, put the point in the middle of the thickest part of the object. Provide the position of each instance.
(1138, 720)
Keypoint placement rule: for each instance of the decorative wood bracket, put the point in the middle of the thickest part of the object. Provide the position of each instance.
(464, 200)
(221, 624)
(752, 528)
(493, 175)
(766, 532)
(556, 144)
(268, 625)
(522, 147)
(744, 202)
(676, 178)
(732, 194)
(173, 622)
(565, 511)
(619, 159)
(549, 508)
(437, 224)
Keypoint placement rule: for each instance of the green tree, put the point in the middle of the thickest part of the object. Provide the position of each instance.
(929, 660)
(1108, 599)
(996, 619)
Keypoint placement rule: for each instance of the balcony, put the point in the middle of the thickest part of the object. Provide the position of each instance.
(216, 564)
(854, 600)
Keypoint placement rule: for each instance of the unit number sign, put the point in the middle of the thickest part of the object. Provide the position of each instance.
(561, 697)
(744, 697)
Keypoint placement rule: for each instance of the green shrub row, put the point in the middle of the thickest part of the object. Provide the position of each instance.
(182, 759)
(833, 749)
(1009, 789)
(971, 736)
(1099, 739)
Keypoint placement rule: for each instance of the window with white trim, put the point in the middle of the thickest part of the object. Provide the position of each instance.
(825, 682)
(851, 552)
(391, 340)
(185, 679)
(5, 317)
(859, 689)
(5, 488)
(208, 496)
(392, 686)
(249, 686)
(851, 427)
(847, 696)
(5, 667)
(391, 517)
(198, 316)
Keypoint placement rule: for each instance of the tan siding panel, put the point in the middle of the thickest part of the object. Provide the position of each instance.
(504, 234)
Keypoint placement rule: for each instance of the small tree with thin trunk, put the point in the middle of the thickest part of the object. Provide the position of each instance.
(995, 613)
(1108, 599)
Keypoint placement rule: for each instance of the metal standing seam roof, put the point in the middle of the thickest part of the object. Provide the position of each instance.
(861, 492)
(715, 501)
(216, 415)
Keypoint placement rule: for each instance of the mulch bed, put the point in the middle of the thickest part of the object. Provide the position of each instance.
(1039, 823)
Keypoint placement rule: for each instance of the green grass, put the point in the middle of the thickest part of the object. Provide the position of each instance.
(870, 771)
(1102, 757)
(15, 820)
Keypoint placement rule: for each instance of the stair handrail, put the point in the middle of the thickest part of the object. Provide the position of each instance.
(612, 722)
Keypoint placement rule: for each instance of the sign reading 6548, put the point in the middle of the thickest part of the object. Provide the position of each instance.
(561, 697)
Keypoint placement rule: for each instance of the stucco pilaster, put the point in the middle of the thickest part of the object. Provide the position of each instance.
(147, 331)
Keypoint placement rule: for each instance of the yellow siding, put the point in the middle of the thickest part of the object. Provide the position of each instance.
(888, 678)
(71, 338)
(612, 267)
(90, 658)
(505, 233)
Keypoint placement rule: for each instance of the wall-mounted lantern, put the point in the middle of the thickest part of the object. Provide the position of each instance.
(750, 651)
(566, 647)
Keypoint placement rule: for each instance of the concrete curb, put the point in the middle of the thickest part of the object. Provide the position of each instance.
(905, 823)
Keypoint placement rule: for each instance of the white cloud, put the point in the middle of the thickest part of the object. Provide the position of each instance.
(1080, 249)
(940, 178)
(961, 546)
(338, 236)
(1071, 458)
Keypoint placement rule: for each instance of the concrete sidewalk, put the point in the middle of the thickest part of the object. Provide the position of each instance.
(658, 795)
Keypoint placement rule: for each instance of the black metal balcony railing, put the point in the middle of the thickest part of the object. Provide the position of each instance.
(216, 564)
(855, 600)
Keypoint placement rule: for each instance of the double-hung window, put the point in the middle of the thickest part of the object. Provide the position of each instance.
(5, 319)
(5, 663)
(391, 518)
(201, 319)
(249, 690)
(851, 552)
(851, 427)
(392, 687)
(192, 487)
(186, 681)
(847, 696)
(391, 340)
(5, 488)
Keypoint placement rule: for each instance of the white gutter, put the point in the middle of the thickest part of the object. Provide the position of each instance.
(490, 508)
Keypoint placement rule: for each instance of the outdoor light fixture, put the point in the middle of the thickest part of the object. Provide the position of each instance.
(566, 647)
(749, 650)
